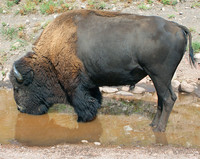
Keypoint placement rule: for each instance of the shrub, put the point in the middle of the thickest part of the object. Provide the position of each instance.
(169, 2)
(196, 47)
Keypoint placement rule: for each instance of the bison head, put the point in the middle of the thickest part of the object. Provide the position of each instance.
(35, 84)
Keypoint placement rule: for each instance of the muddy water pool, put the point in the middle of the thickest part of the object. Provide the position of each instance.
(121, 127)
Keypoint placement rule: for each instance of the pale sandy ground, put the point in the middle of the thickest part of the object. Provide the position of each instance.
(97, 152)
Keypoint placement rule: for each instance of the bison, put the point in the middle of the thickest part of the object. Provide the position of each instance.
(84, 49)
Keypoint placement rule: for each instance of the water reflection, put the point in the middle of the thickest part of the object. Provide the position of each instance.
(161, 138)
(55, 128)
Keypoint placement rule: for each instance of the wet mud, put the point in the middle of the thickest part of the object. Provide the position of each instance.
(122, 121)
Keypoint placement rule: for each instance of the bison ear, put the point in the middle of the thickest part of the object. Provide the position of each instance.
(28, 78)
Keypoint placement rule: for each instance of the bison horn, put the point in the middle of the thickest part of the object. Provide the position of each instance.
(17, 74)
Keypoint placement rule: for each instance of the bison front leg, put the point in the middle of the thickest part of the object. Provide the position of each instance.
(85, 104)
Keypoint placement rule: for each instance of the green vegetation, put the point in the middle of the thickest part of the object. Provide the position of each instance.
(196, 46)
(18, 44)
(169, 2)
(95, 4)
(1, 10)
(149, 1)
(3, 57)
(171, 16)
(11, 33)
(127, 107)
(102, 5)
(28, 7)
(50, 7)
(196, 4)
(8, 32)
(192, 30)
(10, 3)
(142, 6)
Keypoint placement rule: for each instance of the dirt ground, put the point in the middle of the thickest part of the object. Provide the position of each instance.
(98, 152)
(182, 13)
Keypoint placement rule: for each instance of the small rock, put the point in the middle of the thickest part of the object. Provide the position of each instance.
(34, 19)
(125, 88)
(84, 141)
(138, 90)
(163, 9)
(7, 76)
(176, 84)
(197, 57)
(185, 87)
(17, 44)
(181, 13)
(170, 152)
(55, 16)
(128, 128)
(114, 9)
(1, 76)
(83, 6)
(109, 89)
(97, 143)
(43, 24)
(124, 109)
(4, 12)
(27, 22)
(124, 93)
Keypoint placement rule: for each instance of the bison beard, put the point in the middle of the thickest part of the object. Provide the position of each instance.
(82, 50)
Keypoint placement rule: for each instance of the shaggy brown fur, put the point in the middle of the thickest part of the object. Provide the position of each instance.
(58, 44)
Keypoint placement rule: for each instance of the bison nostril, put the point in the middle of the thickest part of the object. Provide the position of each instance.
(16, 89)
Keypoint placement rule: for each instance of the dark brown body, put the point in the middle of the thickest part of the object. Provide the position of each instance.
(82, 50)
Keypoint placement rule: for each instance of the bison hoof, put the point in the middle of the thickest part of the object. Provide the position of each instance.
(80, 119)
(158, 129)
(152, 125)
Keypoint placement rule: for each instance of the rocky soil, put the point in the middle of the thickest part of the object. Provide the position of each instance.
(97, 152)
(29, 28)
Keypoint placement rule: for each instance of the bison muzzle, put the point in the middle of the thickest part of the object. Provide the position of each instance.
(82, 50)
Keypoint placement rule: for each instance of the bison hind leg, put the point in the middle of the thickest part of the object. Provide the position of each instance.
(86, 103)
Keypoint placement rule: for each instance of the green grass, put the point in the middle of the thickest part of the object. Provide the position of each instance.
(102, 5)
(196, 46)
(3, 57)
(1, 10)
(149, 1)
(169, 2)
(29, 7)
(11, 33)
(18, 44)
(10, 3)
(8, 32)
(47, 7)
(192, 30)
(196, 4)
(50, 7)
(171, 16)
(142, 6)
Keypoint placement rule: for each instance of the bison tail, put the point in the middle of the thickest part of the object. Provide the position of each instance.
(191, 54)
